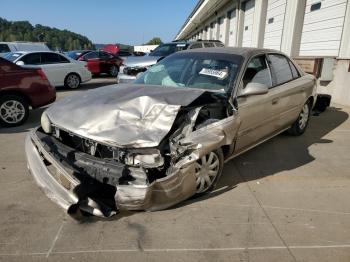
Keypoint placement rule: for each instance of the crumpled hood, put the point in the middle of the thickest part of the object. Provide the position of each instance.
(141, 61)
(122, 115)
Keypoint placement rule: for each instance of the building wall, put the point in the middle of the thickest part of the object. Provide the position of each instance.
(300, 28)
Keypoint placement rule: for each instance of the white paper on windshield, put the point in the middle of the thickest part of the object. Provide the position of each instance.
(180, 45)
(215, 73)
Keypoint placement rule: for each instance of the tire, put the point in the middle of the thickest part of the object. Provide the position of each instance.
(14, 110)
(72, 81)
(207, 172)
(114, 71)
(299, 126)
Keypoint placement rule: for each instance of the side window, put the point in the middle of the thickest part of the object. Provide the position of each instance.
(257, 72)
(50, 58)
(196, 45)
(209, 45)
(63, 59)
(104, 55)
(91, 55)
(31, 59)
(4, 48)
(218, 44)
(295, 72)
(280, 66)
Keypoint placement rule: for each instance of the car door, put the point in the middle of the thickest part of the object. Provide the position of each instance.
(105, 61)
(288, 90)
(53, 68)
(93, 62)
(256, 111)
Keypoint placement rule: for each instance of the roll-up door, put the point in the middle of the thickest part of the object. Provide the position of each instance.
(274, 23)
(221, 29)
(322, 29)
(232, 27)
(248, 8)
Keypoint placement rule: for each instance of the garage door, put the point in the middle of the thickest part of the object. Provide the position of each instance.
(221, 29)
(232, 27)
(322, 30)
(248, 8)
(274, 23)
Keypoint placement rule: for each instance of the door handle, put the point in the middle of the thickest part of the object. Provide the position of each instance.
(275, 101)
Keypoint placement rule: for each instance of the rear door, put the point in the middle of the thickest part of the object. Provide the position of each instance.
(289, 90)
(54, 68)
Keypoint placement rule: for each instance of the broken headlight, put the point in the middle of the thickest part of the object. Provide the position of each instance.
(146, 160)
(46, 123)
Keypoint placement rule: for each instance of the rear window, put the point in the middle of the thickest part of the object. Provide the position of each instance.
(209, 45)
(196, 45)
(4, 48)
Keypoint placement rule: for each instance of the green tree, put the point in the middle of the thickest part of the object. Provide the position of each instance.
(154, 41)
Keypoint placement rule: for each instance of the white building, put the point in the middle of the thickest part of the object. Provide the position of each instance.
(144, 48)
(316, 33)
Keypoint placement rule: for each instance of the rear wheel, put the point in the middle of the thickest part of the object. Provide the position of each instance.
(300, 125)
(72, 81)
(208, 171)
(14, 110)
(113, 71)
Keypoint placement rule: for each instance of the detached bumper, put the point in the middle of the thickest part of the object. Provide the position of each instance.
(60, 185)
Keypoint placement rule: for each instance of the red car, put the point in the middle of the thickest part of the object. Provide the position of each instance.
(102, 62)
(21, 88)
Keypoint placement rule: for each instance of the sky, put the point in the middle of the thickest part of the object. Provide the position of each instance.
(130, 22)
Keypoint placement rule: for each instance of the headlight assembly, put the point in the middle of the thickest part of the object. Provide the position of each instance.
(46, 123)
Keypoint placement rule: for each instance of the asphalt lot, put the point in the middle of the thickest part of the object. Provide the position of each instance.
(286, 200)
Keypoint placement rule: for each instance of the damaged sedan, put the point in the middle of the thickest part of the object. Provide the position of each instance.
(154, 143)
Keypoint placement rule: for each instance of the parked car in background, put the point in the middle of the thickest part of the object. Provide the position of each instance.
(7, 47)
(76, 54)
(136, 64)
(99, 62)
(21, 88)
(156, 142)
(59, 69)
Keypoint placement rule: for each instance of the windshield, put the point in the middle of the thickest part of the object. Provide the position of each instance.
(168, 49)
(12, 56)
(194, 70)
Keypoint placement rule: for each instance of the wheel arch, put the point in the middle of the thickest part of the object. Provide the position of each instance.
(17, 93)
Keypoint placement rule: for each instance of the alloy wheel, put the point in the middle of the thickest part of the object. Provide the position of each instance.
(73, 81)
(12, 112)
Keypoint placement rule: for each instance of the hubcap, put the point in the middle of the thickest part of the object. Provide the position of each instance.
(12, 112)
(207, 168)
(304, 117)
(73, 81)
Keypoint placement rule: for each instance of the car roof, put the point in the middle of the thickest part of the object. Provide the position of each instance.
(242, 51)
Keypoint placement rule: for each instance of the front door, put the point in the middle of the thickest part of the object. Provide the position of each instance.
(256, 111)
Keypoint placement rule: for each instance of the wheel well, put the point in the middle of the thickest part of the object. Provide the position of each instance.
(311, 100)
(226, 150)
(17, 93)
(72, 73)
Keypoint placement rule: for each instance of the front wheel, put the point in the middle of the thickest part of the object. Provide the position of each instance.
(14, 110)
(208, 171)
(113, 71)
(72, 81)
(300, 125)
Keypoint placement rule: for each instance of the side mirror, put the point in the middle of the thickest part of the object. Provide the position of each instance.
(20, 63)
(254, 89)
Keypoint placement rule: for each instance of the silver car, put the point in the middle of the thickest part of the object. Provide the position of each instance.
(158, 141)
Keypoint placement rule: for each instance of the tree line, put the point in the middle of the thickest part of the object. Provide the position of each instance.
(56, 39)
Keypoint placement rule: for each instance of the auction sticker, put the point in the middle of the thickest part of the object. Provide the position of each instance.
(215, 73)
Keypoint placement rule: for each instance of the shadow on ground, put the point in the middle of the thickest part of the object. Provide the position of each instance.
(281, 153)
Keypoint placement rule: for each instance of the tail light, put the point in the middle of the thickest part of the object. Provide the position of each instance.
(42, 74)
